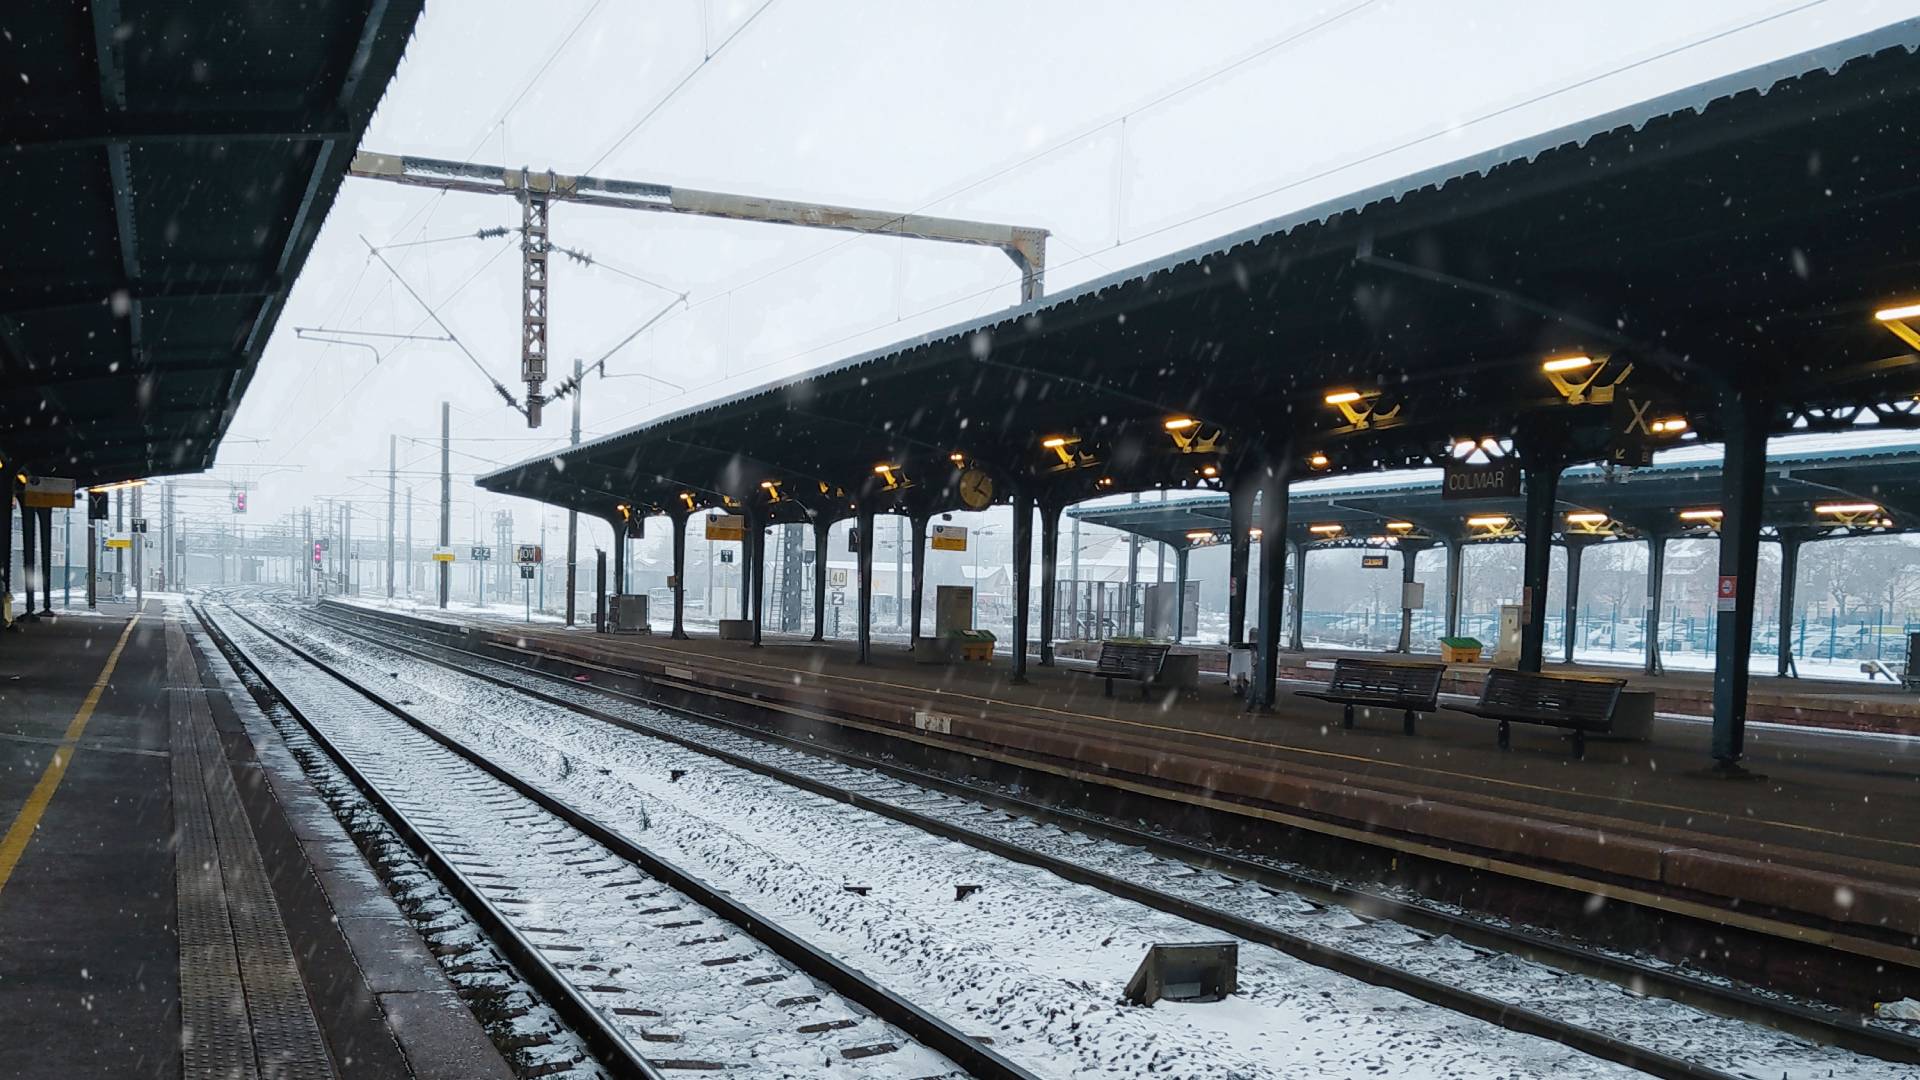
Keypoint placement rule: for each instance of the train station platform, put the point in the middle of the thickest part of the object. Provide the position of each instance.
(1825, 848)
(175, 899)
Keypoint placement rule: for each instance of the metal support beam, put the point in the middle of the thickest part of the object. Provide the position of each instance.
(863, 562)
(6, 534)
(1274, 480)
(1295, 631)
(29, 546)
(679, 524)
(1409, 563)
(1656, 583)
(1022, 577)
(1049, 562)
(1790, 541)
(446, 507)
(1240, 496)
(1542, 476)
(1743, 479)
(45, 514)
(1576, 553)
(1456, 554)
(573, 516)
(919, 578)
(1180, 555)
(822, 529)
(534, 249)
(756, 571)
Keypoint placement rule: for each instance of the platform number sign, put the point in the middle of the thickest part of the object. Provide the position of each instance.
(97, 508)
(138, 525)
(1630, 435)
(479, 553)
(526, 571)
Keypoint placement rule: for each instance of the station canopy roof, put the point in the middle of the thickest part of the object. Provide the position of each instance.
(1867, 481)
(165, 169)
(1732, 241)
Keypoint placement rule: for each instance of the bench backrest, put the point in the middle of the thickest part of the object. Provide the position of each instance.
(1352, 675)
(1131, 658)
(1573, 697)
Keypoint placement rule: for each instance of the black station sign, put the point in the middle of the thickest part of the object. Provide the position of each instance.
(1480, 480)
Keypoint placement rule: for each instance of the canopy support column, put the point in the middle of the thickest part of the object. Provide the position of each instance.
(1656, 582)
(619, 525)
(1022, 578)
(1049, 560)
(822, 529)
(1570, 613)
(1295, 633)
(1790, 541)
(863, 563)
(679, 525)
(1542, 476)
(6, 534)
(1409, 562)
(1180, 594)
(1743, 488)
(1274, 479)
(919, 578)
(754, 569)
(1456, 554)
(1240, 541)
(29, 554)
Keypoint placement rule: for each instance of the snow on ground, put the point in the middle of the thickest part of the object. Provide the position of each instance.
(1034, 960)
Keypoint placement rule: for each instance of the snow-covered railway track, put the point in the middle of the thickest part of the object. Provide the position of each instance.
(659, 974)
(1658, 1035)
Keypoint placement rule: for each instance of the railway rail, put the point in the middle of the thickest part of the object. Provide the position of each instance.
(1244, 905)
(657, 972)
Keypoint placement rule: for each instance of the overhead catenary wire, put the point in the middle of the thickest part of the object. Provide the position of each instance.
(438, 321)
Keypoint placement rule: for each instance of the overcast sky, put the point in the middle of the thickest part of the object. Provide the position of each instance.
(1127, 129)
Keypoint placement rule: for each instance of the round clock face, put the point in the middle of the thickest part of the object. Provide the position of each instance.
(976, 489)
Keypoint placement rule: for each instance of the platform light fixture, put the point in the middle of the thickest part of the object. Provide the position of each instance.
(957, 458)
(1488, 521)
(1577, 378)
(1400, 526)
(1847, 509)
(1201, 536)
(1702, 515)
(1209, 471)
(1318, 460)
(1587, 517)
(687, 498)
(117, 485)
(1896, 320)
(1255, 533)
(1673, 425)
(1328, 529)
(1358, 407)
(1181, 423)
(1062, 445)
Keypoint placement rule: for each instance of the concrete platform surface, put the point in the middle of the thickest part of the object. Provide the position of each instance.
(1833, 831)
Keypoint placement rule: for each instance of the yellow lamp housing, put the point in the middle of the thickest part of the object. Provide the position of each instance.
(1577, 378)
(1860, 515)
(1358, 407)
(1190, 436)
(1330, 529)
(1899, 321)
(1707, 516)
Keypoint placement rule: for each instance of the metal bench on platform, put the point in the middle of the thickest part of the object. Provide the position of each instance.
(1411, 688)
(1140, 661)
(1580, 703)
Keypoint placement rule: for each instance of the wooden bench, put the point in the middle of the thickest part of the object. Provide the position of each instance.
(1411, 688)
(1140, 661)
(1580, 703)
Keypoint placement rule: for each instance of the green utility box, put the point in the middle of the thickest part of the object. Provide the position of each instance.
(1460, 650)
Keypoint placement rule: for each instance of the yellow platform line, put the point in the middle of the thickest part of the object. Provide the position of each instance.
(14, 845)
